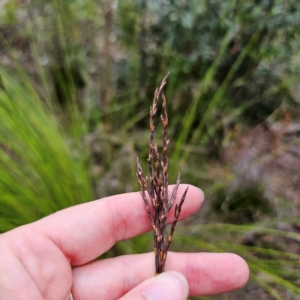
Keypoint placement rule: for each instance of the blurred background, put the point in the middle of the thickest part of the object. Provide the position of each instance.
(76, 82)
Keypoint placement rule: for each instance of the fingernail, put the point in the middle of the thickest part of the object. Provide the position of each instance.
(168, 285)
(203, 196)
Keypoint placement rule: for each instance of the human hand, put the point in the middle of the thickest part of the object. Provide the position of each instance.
(36, 259)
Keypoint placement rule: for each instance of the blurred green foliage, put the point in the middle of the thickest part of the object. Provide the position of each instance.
(220, 57)
(77, 80)
(42, 169)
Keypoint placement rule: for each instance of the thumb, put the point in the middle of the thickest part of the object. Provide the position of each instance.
(168, 285)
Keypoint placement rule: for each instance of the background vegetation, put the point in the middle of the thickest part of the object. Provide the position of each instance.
(76, 82)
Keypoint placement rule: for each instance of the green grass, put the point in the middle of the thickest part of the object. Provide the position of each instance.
(42, 169)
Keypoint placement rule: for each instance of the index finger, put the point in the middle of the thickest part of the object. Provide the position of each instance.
(86, 231)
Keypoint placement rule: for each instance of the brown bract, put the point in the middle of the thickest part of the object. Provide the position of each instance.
(156, 185)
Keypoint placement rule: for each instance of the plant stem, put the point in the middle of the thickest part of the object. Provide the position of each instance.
(156, 185)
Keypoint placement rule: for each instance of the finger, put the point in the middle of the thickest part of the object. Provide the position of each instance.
(168, 285)
(86, 231)
(206, 273)
(28, 268)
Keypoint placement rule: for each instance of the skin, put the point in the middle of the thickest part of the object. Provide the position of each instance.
(36, 259)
